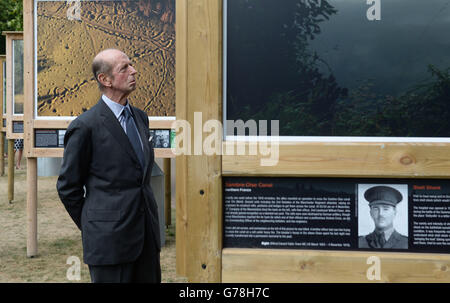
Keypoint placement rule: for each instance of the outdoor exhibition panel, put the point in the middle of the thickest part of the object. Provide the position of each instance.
(321, 103)
(2, 112)
(61, 39)
(3, 92)
(14, 98)
(14, 85)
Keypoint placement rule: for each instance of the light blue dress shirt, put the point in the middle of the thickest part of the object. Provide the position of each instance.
(117, 109)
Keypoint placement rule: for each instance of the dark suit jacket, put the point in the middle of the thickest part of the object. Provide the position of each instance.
(104, 188)
(396, 241)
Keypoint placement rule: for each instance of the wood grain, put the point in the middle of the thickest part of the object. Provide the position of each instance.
(406, 160)
(181, 113)
(199, 188)
(301, 266)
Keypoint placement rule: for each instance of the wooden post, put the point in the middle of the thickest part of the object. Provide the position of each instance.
(181, 113)
(2, 153)
(31, 207)
(10, 170)
(199, 193)
(32, 245)
(167, 191)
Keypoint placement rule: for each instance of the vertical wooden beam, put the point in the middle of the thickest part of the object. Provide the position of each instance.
(28, 41)
(181, 29)
(167, 192)
(2, 152)
(31, 207)
(10, 170)
(203, 191)
(28, 55)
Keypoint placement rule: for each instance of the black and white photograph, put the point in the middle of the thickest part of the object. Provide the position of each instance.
(161, 138)
(382, 216)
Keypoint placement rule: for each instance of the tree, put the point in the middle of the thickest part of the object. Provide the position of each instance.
(11, 19)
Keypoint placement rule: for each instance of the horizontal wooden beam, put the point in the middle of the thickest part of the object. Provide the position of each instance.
(63, 124)
(312, 266)
(402, 160)
(59, 152)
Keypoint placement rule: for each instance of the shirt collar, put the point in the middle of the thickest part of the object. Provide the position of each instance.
(115, 107)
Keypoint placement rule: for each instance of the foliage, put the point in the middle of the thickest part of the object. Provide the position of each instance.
(423, 111)
(288, 81)
(287, 84)
(11, 18)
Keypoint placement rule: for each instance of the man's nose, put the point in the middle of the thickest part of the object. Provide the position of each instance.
(382, 212)
(133, 70)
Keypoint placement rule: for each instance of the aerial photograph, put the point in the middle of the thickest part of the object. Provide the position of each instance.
(71, 33)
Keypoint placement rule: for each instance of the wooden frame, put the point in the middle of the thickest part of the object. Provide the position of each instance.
(10, 116)
(2, 77)
(2, 129)
(200, 255)
(31, 124)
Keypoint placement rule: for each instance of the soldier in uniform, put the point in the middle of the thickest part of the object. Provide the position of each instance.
(383, 202)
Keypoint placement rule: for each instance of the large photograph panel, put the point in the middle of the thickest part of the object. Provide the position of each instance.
(4, 86)
(71, 33)
(340, 67)
(18, 86)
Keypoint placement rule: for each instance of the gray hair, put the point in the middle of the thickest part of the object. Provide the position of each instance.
(101, 66)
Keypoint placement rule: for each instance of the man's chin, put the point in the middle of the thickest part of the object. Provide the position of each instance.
(382, 227)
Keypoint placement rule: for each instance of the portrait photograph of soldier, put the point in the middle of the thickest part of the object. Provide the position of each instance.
(383, 216)
(160, 138)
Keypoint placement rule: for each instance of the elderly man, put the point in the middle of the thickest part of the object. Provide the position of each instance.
(383, 202)
(104, 181)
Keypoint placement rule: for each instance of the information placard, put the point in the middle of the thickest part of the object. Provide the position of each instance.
(17, 127)
(49, 138)
(337, 214)
(162, 138)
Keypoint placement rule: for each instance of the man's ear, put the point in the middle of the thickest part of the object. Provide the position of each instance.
(104, 80)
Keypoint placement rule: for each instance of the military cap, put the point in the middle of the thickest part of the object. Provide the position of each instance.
(383, 195)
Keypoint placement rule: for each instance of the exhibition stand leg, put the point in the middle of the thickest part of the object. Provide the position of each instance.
(2, 153)
(168, 192)
(31, 207)
(10, 170)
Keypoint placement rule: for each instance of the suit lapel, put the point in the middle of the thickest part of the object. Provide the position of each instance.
(393, 239)
(115, 129)
(370, 238)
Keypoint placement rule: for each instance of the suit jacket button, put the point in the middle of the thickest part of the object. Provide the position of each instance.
(141, 209)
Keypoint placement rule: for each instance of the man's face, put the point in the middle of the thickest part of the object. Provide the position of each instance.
(383, 216)
(123, 74)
